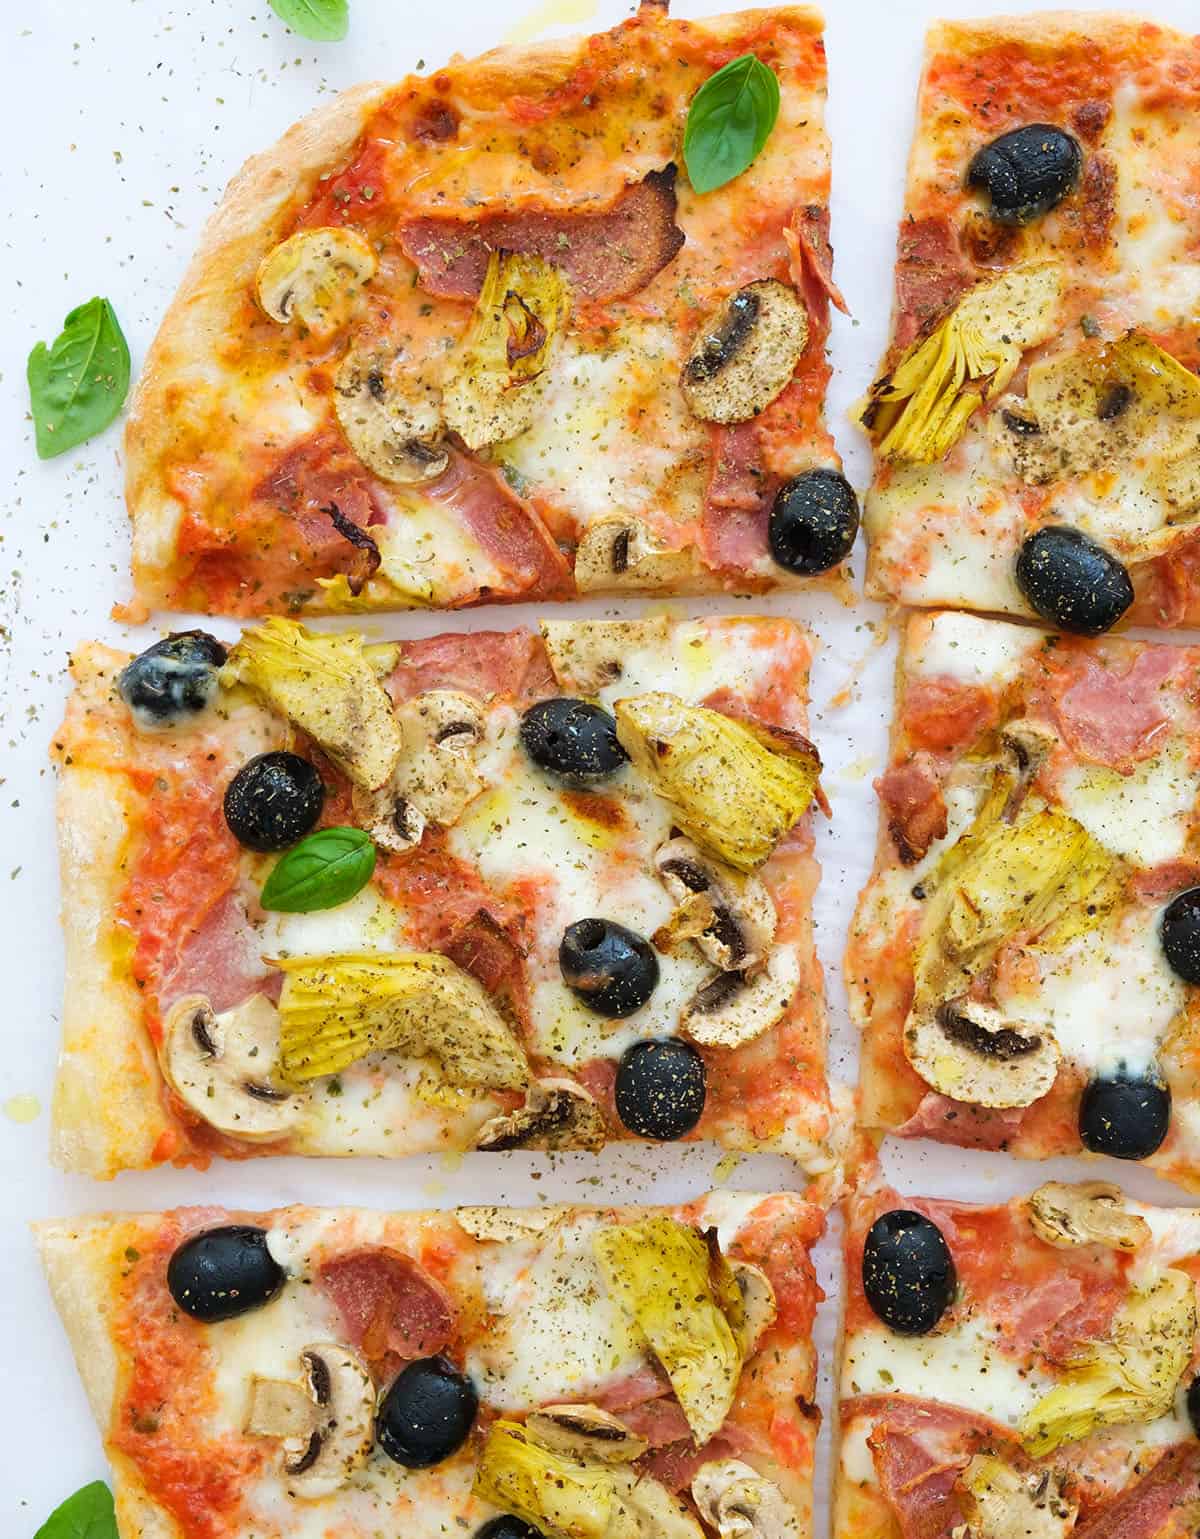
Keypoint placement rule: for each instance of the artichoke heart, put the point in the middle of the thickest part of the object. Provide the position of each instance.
(918, 411)
(562, 1497)
(335, 1010)
(1130, 1377)
(521, 313)
(327, 686)
(735, 789)
(661, 1273)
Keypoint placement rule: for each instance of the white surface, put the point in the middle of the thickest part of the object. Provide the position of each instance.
(121, 121)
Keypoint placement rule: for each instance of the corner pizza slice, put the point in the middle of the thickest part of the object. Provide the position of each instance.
(1024, 959)
(477, 337)
(485, 890)
(1024, 1371)
(570, 1372)
(1036, 418)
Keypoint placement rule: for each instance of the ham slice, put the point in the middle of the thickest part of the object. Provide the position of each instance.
(1161, 1505)
(391, 1308)
(221, 960)
(607, 254)
(958, 1122)
(1111, 718)
(931, 275)
(675, 1465)
(811, 261)
(485, 664)
(943, 714)
(646, 1383)
(912, 794)
(482, 947)
(737, 503)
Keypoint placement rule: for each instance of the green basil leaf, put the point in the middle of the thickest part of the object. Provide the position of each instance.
(86, 1515)
(323, 21)
(729, 121)
(78, 384)
(325, 869)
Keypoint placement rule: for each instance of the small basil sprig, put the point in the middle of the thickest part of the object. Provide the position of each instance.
(729, 121)
(78, 384)
(86, 1515)
(322, 21)
(325, 869)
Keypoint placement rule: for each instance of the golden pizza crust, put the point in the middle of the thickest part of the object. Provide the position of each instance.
(1053, 29)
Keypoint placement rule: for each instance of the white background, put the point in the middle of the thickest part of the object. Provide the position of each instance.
(121, 121)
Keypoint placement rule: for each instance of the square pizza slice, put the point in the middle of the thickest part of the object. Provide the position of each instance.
(1022, 1371)
(477, 336)
(484, 890)
(1023, 961)
(1036, 417)
(570, 1372)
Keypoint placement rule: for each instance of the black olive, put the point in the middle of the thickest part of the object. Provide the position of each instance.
(573, 739)
(661, 1088)
(1027, 171)
(175, 678)
(1193, 1404)
(814, 520)
(1180, 932)
(507, 1527)
(1071, 581)
(223, 1272)
(274, 800)
(907, 1272)
(612, 969)
(426, 1414)
(1125, 1115)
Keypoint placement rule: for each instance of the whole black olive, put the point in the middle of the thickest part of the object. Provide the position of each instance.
(573, 739)
(507, 1527)
(814, 520)
(1125, 1114)
(907, 1272)
(1180, 932)
(1027, 171)
(173, 679)
(426, 1414)
(661, 1088)
(1071, 581)
(273, 800)
(1193, 1404)
(220, 1273)
(613, 970)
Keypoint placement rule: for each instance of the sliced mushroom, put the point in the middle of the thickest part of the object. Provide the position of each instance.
(737, 1007)
(389, 817)
(435, 777)
(588, 655)
(1066, 1214)
(743, 924)
(326, 1423)
(746, 353)
(758, 1304)
(222, 1067)
(689, 922)
(506, 1224)
(1028, 744)
(585, 1431)
(391, 415)
(557, 1114)
(316, 277)
(971, 1052)
(1001, 1502)
(620, 551)
(742, 1504)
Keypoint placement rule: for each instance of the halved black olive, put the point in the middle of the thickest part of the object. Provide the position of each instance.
(274, 800)
(661, 1088)
(813, 522)
(223, 1272)
(612, 969)
(1193, 1404)
(427, 1413)
(1125, 1114)
(173, 679)
(1180, 933)
(1071, 581)
(907, 1271)
(1027, 171)
(507, 1527)
(573, 739)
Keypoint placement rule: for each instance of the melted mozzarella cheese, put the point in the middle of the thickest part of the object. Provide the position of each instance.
(970, 649)
(693, 659)
(1143, 816)
(428, 552)
(556, 1334)
(367, 922)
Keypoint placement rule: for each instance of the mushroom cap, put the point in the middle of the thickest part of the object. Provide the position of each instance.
(737, 1007)
(391, 414)
(746, 353)
(1067, 1214)
(742, 1504)
(221, 1067)
(744, 918)
(622, 551)
(326, 1424)
(971, 1052)
(557, 1114)
(586, 1431)
(316, 276)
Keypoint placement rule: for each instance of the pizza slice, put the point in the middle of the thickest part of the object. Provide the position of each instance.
(1023, 1371)
(484, 890)
(477, 337)
(1036, 417)
(569, 1372)
(1023, 961)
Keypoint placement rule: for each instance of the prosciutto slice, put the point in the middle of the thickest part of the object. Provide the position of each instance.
(912, 794)
(391, 1308)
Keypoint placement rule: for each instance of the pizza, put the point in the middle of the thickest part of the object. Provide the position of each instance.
(575, 1372)
(1022, 1370)
(1023, 958)
(581, 910)
(474, 337)
(1036, 418)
